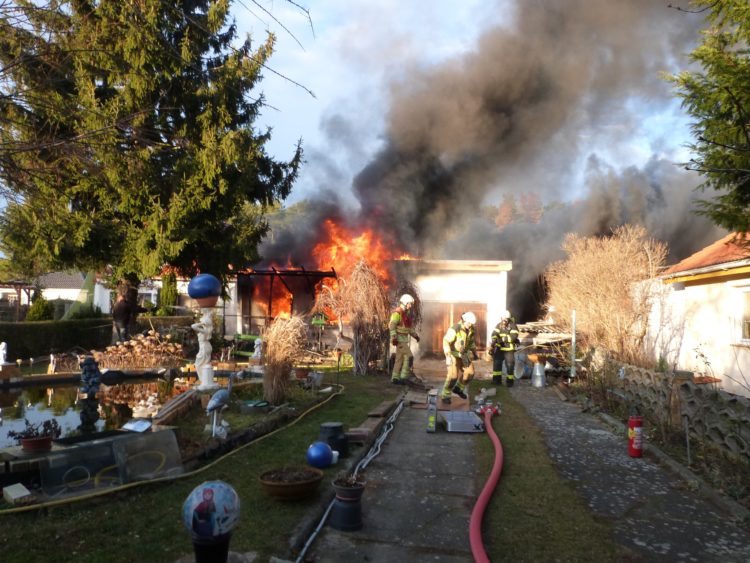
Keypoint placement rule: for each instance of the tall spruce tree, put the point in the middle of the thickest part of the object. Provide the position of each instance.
(127, 138)
(718, 99)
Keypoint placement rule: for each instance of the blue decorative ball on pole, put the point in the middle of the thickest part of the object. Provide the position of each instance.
(205, 289)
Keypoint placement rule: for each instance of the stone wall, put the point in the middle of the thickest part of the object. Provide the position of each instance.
(712, 415)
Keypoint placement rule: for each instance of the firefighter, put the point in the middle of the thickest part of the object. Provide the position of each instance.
(504, 343)
(401, 329)
(458, 343)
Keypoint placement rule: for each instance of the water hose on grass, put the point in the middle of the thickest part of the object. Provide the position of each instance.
(477, 513)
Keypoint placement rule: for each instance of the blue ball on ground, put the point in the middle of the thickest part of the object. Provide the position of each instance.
(319, 455)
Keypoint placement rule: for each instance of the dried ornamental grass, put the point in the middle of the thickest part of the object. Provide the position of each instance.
(283, 343)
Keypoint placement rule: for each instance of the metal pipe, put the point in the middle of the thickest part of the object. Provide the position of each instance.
(573, 348)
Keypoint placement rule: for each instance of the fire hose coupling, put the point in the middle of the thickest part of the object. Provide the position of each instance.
(489, 408)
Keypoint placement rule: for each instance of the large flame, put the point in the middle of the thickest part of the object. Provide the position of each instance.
(339, 248)
(342, 248)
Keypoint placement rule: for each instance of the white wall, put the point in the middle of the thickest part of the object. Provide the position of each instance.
(703, 319)
(488, 288)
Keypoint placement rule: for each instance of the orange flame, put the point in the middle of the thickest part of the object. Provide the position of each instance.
(342, 249)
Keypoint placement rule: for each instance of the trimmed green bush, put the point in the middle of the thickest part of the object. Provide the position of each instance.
(41, 310)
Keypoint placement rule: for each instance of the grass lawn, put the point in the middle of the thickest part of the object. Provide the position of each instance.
(533, 516)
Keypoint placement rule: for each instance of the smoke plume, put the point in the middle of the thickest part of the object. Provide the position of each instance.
(533, 108)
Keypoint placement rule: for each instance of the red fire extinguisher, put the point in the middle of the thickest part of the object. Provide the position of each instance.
(635, 436)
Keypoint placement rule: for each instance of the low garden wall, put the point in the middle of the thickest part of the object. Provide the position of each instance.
(712, 415)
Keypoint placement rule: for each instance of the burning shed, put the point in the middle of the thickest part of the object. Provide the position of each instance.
(263, 295)
(448, 288)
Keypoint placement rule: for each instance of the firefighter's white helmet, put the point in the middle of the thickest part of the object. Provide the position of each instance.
(505, 315)
(469, 317)
(406, 299)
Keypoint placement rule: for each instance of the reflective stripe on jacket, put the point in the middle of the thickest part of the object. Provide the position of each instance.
(505, 338)
(458, 341)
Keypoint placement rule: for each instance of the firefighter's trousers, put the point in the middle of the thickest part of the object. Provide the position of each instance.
(460, 372)
(509, 356)
(402, 361)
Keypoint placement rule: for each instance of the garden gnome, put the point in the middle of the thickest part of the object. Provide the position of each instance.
(203, 367)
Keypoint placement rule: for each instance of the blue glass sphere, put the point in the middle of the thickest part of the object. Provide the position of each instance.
(211, 509)
(319, 455)
(204, 285)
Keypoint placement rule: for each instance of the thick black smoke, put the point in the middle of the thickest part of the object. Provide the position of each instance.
(531, 109)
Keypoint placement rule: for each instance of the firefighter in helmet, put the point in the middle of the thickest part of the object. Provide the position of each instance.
(401, 330)
(459, 347)
(503, 346)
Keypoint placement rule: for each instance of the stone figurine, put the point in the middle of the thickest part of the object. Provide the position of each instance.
(203, 367)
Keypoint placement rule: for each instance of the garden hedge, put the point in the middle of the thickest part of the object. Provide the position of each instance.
(40, 338)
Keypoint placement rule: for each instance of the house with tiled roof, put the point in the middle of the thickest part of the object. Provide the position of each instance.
(71, 286)
(701, 316)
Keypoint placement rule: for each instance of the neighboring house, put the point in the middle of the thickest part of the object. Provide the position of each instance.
(701, 316)
(71, 286)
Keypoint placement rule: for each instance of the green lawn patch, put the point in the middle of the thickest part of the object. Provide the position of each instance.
(534, 514)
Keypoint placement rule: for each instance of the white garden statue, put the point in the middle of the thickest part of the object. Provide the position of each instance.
(203, 367)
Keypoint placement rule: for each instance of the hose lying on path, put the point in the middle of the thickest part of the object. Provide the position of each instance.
(475, 524)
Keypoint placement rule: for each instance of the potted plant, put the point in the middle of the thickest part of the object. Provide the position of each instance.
(37, 437)
(349, 487)
(291, 483)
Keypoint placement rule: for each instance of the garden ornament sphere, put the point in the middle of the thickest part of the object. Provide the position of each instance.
(212, 509)
(319, 455)
(205, 289)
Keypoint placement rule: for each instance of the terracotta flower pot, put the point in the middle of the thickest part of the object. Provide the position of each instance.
(348, 491)
(37, 445)
(291, 483)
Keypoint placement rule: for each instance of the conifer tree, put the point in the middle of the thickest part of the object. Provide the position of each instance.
(718, 99)
(127, 137)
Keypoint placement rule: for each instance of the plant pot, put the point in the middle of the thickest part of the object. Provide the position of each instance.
(349, 492)
(291, 483)
(37, 445)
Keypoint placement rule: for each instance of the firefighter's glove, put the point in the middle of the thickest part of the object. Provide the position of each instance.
(394, 341)
(474, 354)
(416, 338)
(448, 359)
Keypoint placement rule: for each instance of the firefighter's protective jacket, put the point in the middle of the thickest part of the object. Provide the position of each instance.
(505, 337)
(400, 325)
(460, 342)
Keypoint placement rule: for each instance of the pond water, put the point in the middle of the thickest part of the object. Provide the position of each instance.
(113, 406)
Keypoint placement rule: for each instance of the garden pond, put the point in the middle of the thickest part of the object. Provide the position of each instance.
(76, 414)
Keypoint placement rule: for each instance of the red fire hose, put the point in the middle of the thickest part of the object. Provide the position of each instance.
(475, 524)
